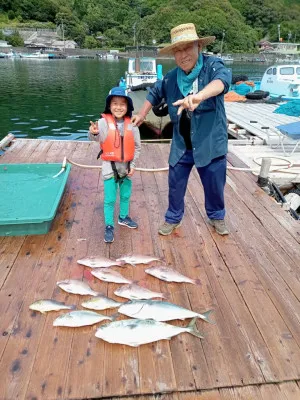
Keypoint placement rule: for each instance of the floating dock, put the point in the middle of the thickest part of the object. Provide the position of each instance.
(253, 125)
(249, 278)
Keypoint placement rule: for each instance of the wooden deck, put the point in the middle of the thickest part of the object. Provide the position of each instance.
(250, 278)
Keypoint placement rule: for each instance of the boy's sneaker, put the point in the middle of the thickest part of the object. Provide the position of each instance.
(166, 228)
(219, 225)
(109, 234)
(127, 221)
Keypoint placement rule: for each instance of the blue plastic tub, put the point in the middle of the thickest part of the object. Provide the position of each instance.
(30, 196)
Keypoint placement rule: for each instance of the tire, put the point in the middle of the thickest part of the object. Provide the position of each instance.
(238, 78)
(262, 92)
(254, 96)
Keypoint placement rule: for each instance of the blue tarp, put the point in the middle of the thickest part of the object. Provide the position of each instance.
(291, 108)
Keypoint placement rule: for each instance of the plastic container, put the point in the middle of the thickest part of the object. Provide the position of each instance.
(30, 197)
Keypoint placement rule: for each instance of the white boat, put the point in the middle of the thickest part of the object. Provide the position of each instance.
(36, 54)
(282, 80)
(141, 71)
(227, 58)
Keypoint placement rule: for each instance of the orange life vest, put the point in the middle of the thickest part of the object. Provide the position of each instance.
(116, 147)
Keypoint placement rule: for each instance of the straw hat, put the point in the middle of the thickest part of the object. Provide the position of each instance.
(184, 34)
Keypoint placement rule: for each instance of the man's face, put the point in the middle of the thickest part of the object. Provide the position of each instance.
(186, 56)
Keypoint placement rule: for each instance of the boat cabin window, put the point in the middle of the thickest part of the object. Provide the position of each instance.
(269, 71)
(274, 72)
(298, 70)
(287, 71)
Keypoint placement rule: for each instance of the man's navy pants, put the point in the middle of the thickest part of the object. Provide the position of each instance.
(213, 178)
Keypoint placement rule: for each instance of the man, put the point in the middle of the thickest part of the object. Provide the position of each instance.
(194, 92)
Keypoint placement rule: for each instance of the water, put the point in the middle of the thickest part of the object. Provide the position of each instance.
(57, 98)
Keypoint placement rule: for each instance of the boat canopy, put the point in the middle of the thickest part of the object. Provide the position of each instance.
(147, 64)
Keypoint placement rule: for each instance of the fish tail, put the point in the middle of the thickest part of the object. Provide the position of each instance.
(205, 316)
(114, 316)
(192, 329)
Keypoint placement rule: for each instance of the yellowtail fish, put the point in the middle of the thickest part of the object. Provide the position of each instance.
(78, 318)
(159, 311)
(135, 332)
(98, 262)
(46, 305)
(109, 276)
(76, 286)
(134, 291)
(170, 275)
(100, 303)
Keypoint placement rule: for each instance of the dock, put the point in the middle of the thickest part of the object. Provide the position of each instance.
(251, 279)
(253, 125)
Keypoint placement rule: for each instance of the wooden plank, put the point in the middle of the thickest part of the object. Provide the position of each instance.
(30, 326)
(265, 314)
(46, 379)
(9, 249)
(289, 390)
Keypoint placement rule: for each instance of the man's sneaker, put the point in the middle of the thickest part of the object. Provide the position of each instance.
(219, 225)
(127, 221)
(166, 228)
(109, 234)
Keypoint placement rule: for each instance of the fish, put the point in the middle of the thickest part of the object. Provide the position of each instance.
(170, 275)
(79, 318)
(135, 332)
(46, 305)
(98, 262)
(134, 291)
(159, 311)
(100, 303)
(76, 286)
(109, 276)
(137, 259)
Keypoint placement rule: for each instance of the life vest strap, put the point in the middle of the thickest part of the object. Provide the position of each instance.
(117, 177)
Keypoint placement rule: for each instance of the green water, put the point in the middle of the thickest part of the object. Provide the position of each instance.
(58, 98)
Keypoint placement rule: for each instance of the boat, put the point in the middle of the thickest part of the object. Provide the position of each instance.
(36, 54)
(227, 58)
(142, 71)
(282, 80)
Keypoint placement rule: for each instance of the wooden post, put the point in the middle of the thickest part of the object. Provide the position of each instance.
(264, 172)
(6, 141)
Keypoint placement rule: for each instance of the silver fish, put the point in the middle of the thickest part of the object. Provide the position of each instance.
(137, 259)
(76, 286)
(134, 291)
(79, 318)
(100, 303)
(134, 332)
(109, 276)
(170, 275)
(159, 311)
(98, 262)
(46, 305)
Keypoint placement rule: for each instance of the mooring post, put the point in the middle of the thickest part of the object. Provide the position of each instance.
(262, 180)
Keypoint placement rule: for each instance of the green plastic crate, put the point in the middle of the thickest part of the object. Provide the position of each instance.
(30, 197)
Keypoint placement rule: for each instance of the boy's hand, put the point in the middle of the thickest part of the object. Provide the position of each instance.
(94, 128)
(131, 172)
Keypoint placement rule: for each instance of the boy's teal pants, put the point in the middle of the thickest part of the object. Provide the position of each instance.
(110, 196)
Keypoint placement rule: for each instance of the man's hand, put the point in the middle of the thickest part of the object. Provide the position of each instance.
(137, 120)
(190, 102)
(131, 172)
(94, 128)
